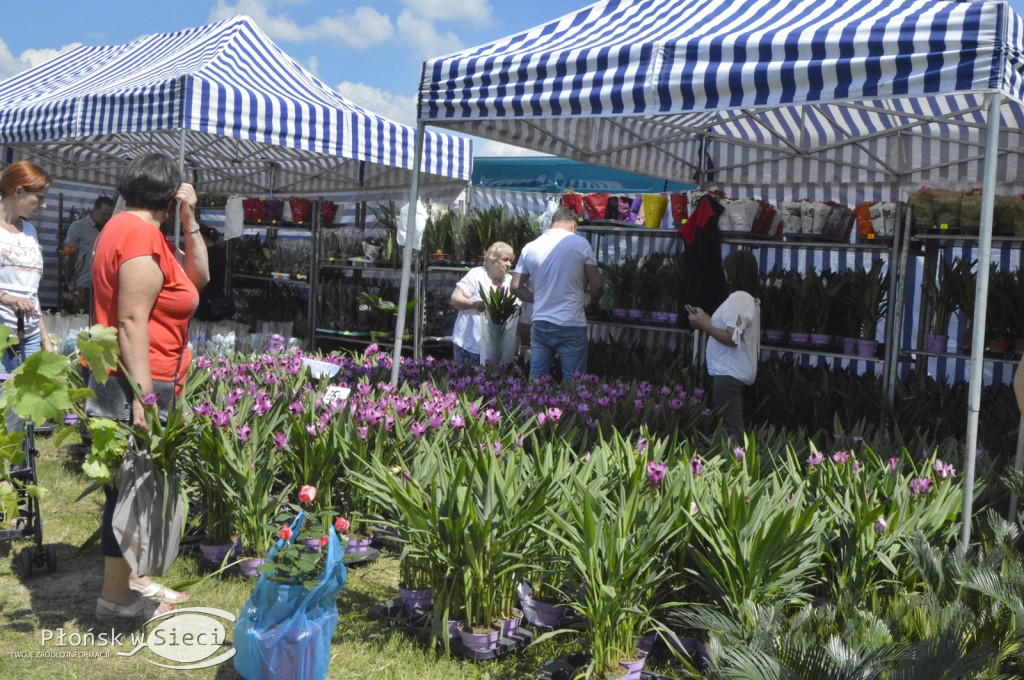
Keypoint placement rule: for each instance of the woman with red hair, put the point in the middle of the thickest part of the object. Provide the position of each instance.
(23, 189)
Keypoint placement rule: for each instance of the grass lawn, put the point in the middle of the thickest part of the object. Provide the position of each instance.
(362, 647)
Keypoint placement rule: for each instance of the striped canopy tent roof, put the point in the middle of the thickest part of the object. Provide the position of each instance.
(254, 121)
(796, 92)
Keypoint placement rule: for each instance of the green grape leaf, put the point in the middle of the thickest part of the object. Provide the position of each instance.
(99, 350)
(10, 447)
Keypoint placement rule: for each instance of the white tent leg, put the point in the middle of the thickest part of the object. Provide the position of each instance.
(181, 169)
(410, 232)
(980, 309)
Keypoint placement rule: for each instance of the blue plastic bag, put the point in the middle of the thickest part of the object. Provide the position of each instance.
(284, 631)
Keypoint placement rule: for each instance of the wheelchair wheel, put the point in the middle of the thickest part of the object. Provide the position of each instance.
(26, 562)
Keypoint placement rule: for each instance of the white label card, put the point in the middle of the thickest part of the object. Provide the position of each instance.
(336, 393)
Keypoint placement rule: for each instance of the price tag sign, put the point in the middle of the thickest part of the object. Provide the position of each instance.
(336, 393)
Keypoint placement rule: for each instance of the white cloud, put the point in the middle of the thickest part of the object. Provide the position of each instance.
(365, 27)
(489, 148)
(398, 108)
(423, 38)
(475, 13)
(11, 65)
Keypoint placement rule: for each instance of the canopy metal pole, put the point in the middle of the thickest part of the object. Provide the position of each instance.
(410, 232)
(181, 168)
(980, 306)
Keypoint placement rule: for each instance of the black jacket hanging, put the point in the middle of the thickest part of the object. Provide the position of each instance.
(703, 281)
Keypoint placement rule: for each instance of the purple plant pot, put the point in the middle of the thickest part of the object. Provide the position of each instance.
(311, 544)
(820, 339)
(867, 348)
(633, 668)
(358, 545)
(510, 626)
(479, 642)
(453, 629)
(635, 313)
(214, 554)
(672, 317)
(250, 567)
(849, 345)
(547, 613)
(937, 343)
(800, 338)
(772, 335)
(619, 313)
(415, 598)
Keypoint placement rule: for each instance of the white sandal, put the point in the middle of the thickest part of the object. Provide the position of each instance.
(155, 591)
(138, 612)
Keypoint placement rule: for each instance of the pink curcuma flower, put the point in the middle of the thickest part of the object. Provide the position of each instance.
(542, 419)
(693, 508)
(363, 432)
(815, 458)
(341, 524)
(656, 472)
(696, 465)
(280, 440)
(492, 417)
(554, 414)
(244, 433)
(881, 526)
(417, 428)
(944, 470)
(285, 533)
(920, 486)
(458, 422)
(840, 457)
(740, 453)
(148, 399)
(641, 444)
(893, 464)
(220, 418)
(307, 494)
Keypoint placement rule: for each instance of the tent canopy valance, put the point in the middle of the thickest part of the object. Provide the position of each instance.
(254, 120)
(828, 91)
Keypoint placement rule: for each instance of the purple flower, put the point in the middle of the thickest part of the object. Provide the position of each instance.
(474, 410)
(417, 429)
(203, 363)
(920, 485)
(436, 420)
(840, 457)
(858, 441)
(638, 405)
(698, 393)
(458, 422)
(815, 458)
(244, 433)
(641, 444)
(363, 432)
(498, 448)
(604, 402)
(311, 429)
(881, 526)
(205, 409)
(675, 404)
(148, 399)
(739, 452)
(944, 470)
(696, 465)
(893, 464)
(280, 440)
(693, 508)
(656, 472)
(542, 419)
(296, 408)
(554, 414)
(220, 418)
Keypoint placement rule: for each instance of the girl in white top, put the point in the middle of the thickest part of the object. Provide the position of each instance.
(466, 298)
(734, 342)
(23, 189)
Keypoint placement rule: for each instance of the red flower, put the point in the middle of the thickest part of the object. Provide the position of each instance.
(323, 541)
(340, 524)
(285, 533)
(307, 493)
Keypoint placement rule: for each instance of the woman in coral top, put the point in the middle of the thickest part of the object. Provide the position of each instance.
(147, 289)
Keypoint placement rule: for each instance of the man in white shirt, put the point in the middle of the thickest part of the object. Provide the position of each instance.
(553, 273)
(82, 235)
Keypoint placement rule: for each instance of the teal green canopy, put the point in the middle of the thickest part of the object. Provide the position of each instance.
(555, 175)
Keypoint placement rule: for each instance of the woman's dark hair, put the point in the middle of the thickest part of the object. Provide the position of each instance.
(741, 269)
(150, 181)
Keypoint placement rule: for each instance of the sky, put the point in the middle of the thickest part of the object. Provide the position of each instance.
(370, 51)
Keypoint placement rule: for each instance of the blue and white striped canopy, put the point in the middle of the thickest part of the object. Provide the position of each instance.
(256, 122)
(823, 92)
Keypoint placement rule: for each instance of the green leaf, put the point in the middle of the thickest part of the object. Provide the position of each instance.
(98, 348)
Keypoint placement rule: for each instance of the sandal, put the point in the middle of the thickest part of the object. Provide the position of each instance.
(155, 591)
(138, 612)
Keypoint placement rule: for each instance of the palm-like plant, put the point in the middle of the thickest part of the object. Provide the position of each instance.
(941, 297)
(872, 298)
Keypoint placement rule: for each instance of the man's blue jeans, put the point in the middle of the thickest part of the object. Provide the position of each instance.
(568, 342)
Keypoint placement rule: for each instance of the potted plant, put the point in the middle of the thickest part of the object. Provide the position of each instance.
(498, 332)
(805, 294)
(1001, 297)
(942, 300)
(619, 568)
(382, 313)
(873, 302)
(962, 274)
(440, 234)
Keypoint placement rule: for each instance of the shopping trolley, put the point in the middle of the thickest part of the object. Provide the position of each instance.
(29, 522)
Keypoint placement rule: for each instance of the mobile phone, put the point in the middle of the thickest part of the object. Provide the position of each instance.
(690, 309)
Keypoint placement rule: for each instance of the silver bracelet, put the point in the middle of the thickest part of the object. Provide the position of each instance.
(193, 231)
